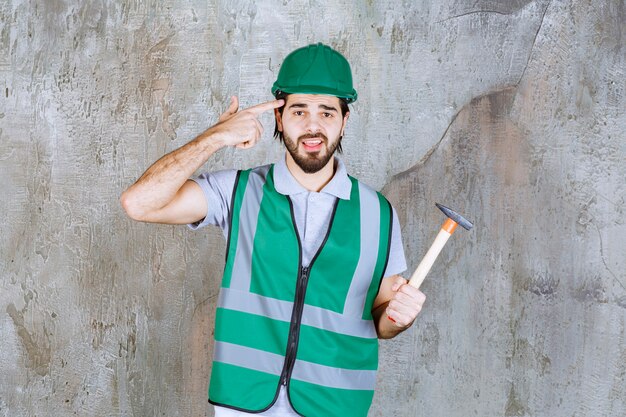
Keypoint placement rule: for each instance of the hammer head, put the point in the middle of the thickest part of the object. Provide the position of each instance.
(460, 220)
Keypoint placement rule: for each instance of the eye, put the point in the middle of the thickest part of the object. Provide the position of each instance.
(298, 113)
(326, 114)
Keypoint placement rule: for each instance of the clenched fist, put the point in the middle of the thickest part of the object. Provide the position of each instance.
(405, 304)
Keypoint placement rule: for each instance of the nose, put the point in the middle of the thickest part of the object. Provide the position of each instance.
(313, 124)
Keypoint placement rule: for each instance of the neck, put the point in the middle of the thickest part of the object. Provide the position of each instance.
(315, 181)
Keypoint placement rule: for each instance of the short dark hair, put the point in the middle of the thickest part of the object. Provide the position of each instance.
(343, 105)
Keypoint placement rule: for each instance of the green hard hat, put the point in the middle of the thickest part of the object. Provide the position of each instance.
(316, 69)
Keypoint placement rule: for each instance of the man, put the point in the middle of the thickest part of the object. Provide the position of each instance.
(310, 281)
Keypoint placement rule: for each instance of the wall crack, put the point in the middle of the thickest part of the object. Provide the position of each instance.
(604, 259)
(532, 47)
(474, 12)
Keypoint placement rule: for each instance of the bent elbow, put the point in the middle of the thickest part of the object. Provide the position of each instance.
(130, 207)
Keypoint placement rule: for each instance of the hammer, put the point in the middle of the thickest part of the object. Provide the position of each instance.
(454, 219)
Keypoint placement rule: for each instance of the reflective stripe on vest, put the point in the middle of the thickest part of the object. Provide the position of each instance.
(312, 328)
(307, 371)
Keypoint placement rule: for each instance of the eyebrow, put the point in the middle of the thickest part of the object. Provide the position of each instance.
(304, 106)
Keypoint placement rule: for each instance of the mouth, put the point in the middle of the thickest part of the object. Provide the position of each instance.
(312, 144)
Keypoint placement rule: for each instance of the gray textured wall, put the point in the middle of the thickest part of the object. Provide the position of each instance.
(510, 111)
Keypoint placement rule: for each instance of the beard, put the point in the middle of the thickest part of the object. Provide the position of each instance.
(311, 162)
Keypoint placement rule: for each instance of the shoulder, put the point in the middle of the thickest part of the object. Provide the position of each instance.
(368, 190)
(261, 170)
(230, 175)
(258, 173)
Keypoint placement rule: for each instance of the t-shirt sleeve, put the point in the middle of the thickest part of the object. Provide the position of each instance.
(218, 190)
(397, 261)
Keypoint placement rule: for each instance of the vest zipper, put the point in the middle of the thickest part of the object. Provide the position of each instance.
(298, 308)
(294, 329)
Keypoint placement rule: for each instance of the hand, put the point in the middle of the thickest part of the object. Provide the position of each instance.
(405, 304)
(243, 129)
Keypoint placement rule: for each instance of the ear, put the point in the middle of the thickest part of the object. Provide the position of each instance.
(279, 120)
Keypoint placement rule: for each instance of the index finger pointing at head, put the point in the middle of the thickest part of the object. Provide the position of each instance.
(269, 105)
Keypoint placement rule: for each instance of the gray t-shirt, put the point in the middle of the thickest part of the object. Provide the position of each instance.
(312, 210)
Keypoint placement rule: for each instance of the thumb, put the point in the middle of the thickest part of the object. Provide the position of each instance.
(234, 105)
(232, 109)
(399, 281)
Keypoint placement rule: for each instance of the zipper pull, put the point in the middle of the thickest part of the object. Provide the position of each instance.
(304, 278)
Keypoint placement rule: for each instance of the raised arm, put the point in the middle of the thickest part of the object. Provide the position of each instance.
(164, 193)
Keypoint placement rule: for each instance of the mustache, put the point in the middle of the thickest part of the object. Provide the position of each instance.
(313, 135)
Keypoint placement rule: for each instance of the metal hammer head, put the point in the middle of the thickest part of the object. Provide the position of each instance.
(460, 220)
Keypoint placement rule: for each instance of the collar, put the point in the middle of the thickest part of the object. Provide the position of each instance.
(339, 185)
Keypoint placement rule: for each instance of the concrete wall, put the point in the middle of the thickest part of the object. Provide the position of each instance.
(511, 112)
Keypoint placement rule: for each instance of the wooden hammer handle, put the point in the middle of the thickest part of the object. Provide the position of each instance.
(429, 259)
